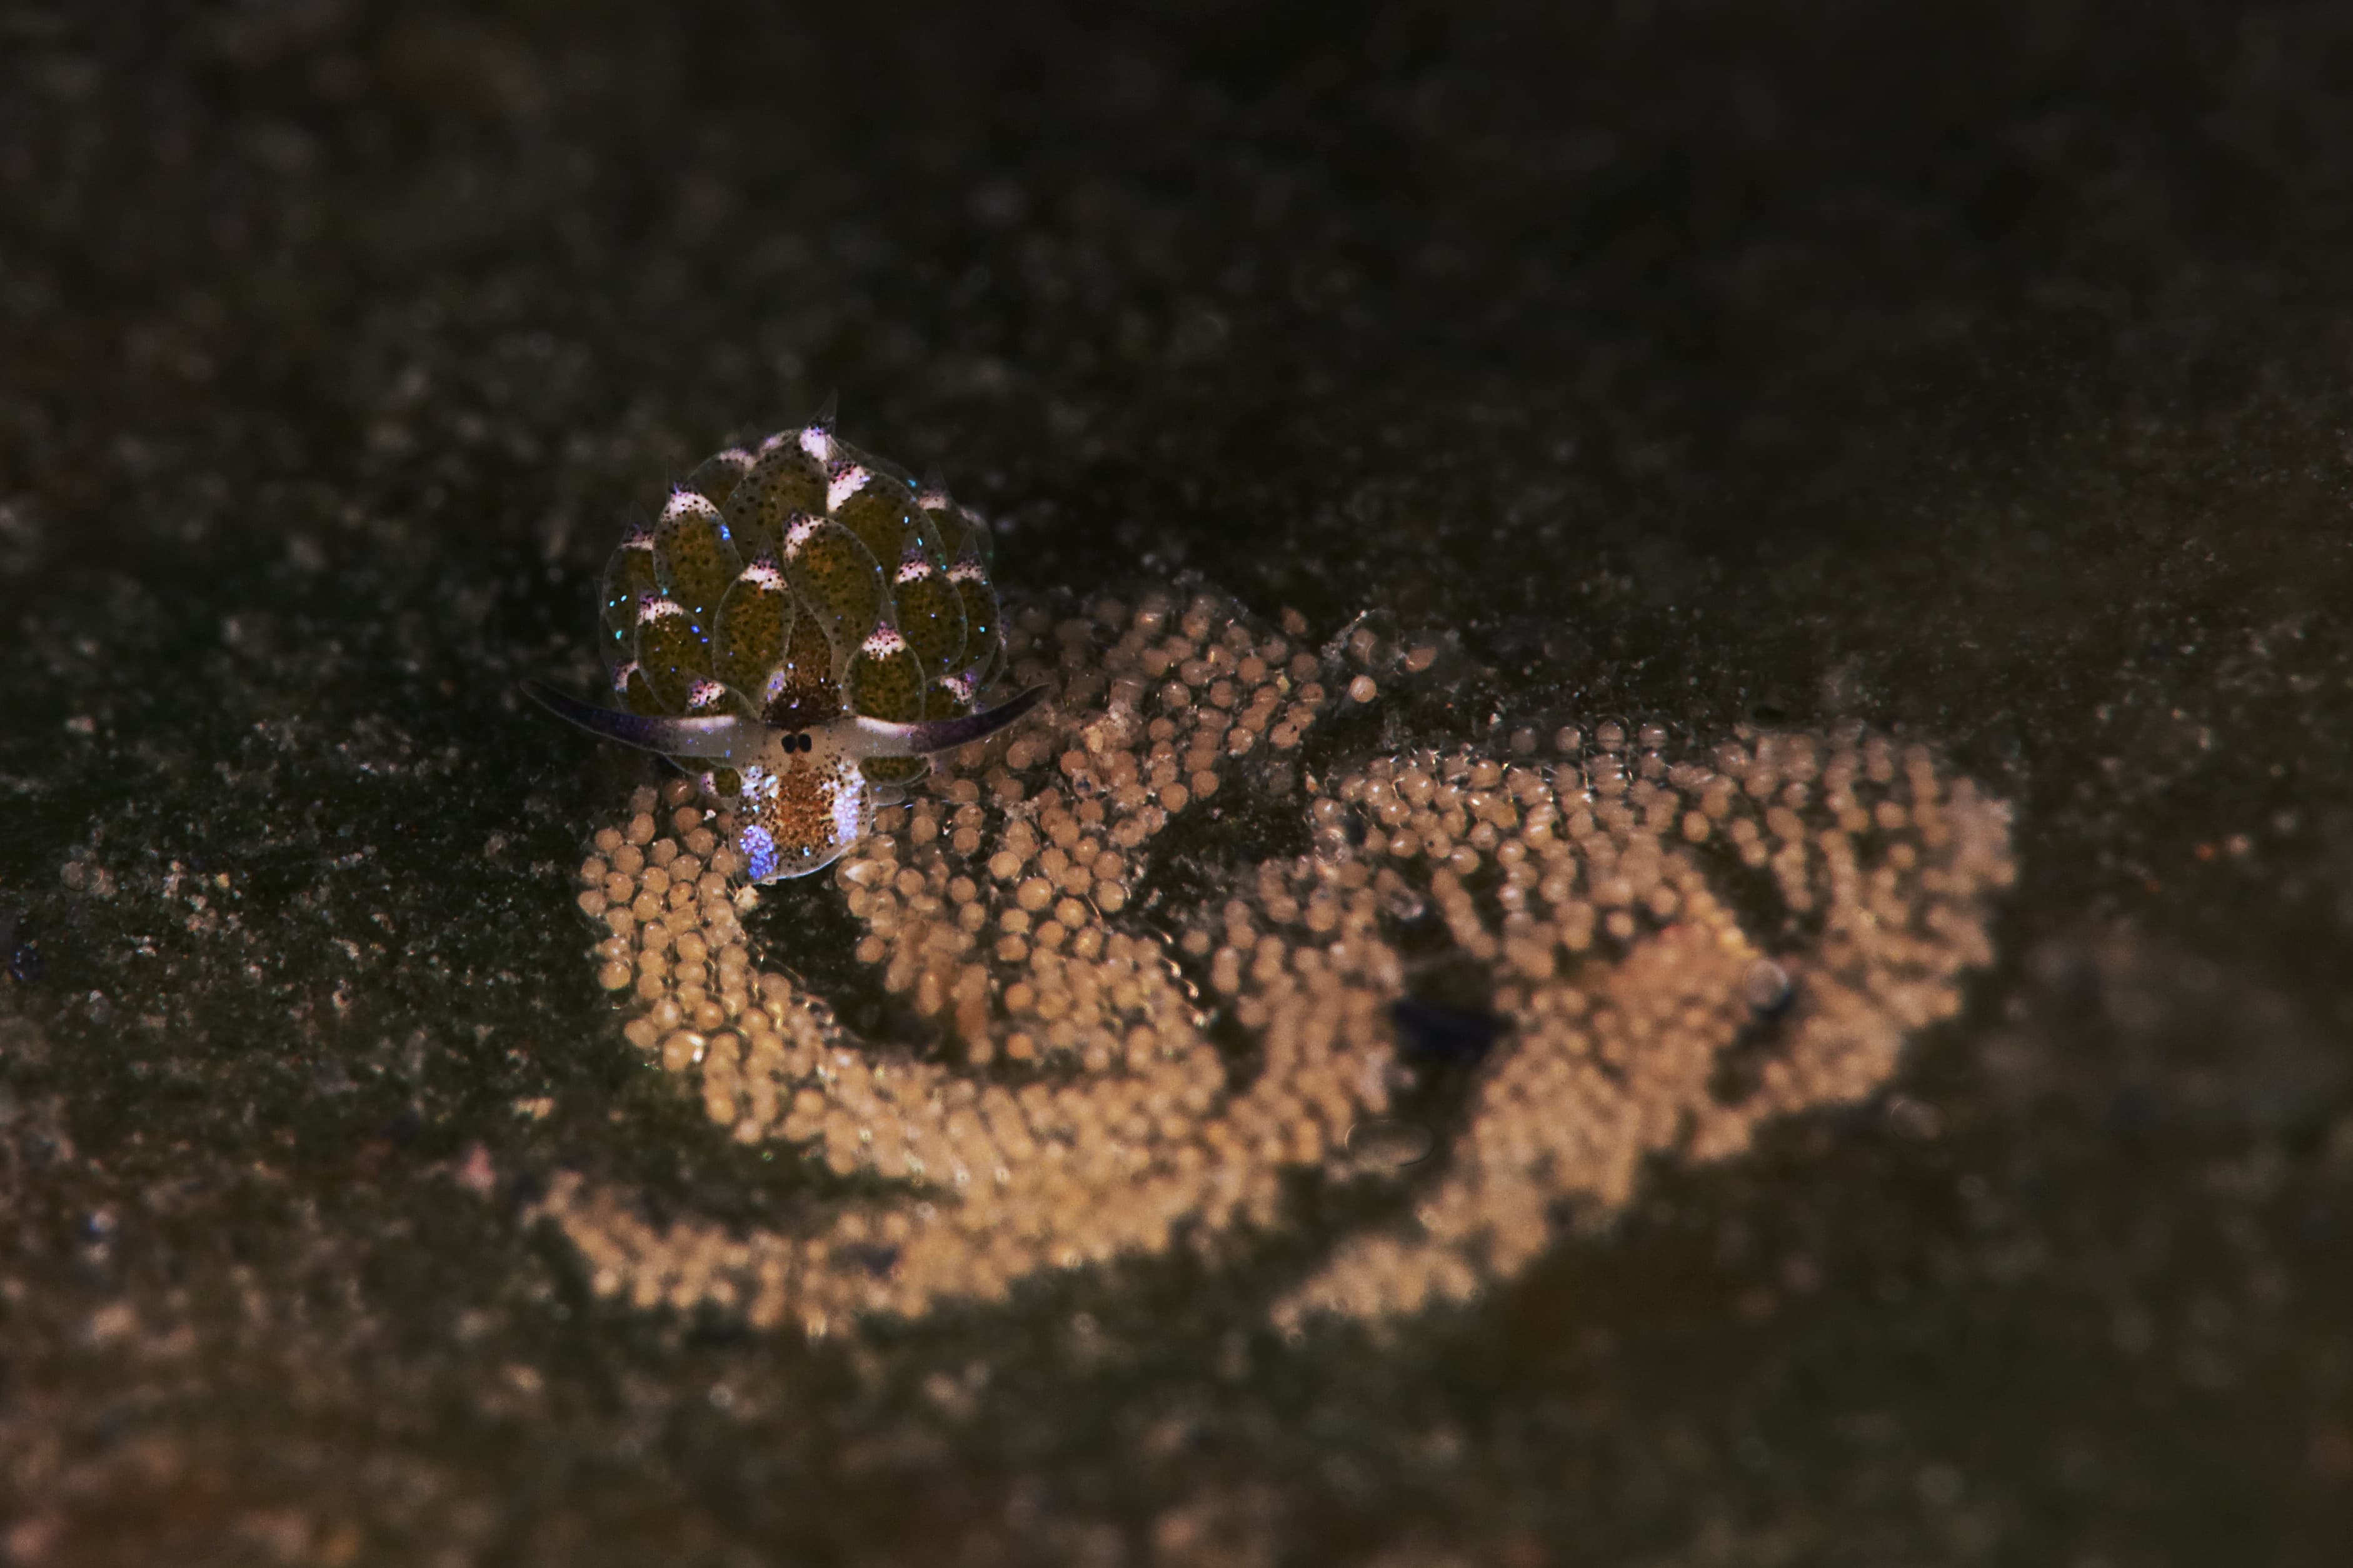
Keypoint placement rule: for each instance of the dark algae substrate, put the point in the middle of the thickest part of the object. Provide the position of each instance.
(1968, 382)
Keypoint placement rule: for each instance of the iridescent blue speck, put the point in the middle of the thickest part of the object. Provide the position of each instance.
(759, 850)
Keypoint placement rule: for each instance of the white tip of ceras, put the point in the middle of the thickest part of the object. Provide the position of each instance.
(799, 534)
(621, 674)
(763, 574)
(968, 569)
(883, 642)
(914, 566)
(652, 608)
(706, 697)
(818, 442)
(685, 503)
(636, 536)
(845, 482)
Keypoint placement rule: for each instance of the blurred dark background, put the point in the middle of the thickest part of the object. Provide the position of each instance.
(1977, 370)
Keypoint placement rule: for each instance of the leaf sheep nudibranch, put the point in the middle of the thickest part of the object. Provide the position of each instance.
(810, 623)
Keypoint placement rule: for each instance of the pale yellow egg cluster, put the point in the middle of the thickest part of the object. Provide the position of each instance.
(1630, 990)
(1081, 1109)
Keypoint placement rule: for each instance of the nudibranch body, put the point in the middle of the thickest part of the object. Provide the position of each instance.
(799, 629)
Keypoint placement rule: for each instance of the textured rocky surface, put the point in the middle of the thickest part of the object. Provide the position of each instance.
(1975, 378)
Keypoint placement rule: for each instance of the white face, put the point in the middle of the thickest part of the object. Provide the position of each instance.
(803, 804)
